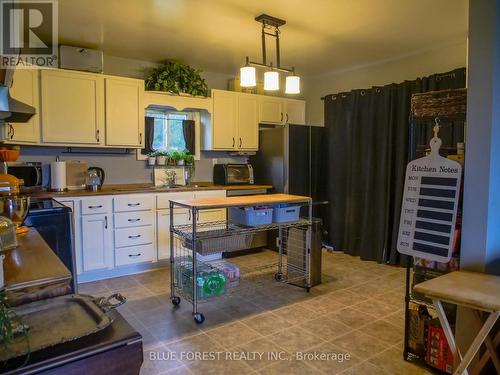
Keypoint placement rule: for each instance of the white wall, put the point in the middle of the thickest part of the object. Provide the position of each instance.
(422, 63)
(139, 69)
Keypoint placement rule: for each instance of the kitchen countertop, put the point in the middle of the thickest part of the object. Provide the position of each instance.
(145, 188)
(33, 270)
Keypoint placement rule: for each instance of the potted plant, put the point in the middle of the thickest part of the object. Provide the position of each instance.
(189, 160)
(171, 158)
(189, 169)
(179, 157)
(161, 157)
(176, 77)
(152, 158)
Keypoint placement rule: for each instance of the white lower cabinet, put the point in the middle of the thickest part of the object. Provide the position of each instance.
(163, 230)
(125, 256)
(97, 242)
(134, 236)
(113, 234)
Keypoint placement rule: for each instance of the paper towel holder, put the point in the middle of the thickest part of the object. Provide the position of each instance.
(58, 186)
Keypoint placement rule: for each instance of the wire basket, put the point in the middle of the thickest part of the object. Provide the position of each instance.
(213, 244)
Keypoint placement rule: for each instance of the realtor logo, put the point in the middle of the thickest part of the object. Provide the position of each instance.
(29, 32)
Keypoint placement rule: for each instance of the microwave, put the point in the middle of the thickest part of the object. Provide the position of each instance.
(30, 172)
(233, 174)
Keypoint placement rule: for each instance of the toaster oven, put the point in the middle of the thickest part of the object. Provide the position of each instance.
(233, 174)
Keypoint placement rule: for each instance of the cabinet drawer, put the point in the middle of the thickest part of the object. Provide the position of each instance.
(133, 219)
(134, 236)
(97, 205)
(162, 200)
(134, 254)
(210, 194)
(133, 203)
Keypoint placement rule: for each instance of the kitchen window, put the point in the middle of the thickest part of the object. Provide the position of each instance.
(168, 130)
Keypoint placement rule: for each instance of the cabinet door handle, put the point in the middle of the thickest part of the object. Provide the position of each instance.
(233, 142)
(94, 207)
(189, 215)
(133, 204)
(140, 138)
(97, 135)
(281, 117)
(133, 220)
(105, 222)
(197, 215)
(240, 143)
(135, 255)
(287, 118)
(135, 236)
(12, 131)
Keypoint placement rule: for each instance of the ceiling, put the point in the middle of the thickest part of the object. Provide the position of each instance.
(216, 35)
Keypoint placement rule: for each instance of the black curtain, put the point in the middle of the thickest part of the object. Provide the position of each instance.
(367, 152)
(149, 132)
(188, 129)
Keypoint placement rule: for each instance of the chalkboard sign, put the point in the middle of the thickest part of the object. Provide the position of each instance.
(429, 207)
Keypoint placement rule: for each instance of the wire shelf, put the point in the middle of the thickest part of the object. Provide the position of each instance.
(250, 281)
(225, 228)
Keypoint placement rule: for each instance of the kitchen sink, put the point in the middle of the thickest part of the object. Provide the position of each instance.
(161, 187)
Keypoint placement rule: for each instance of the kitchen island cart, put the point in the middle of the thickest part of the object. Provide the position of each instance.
(192, 240)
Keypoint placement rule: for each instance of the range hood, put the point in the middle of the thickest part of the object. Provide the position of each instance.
(12, 110)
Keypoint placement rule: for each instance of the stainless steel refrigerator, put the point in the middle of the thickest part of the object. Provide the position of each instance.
(290, 158)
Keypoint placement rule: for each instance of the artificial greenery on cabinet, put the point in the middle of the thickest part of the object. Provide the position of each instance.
(176, 77)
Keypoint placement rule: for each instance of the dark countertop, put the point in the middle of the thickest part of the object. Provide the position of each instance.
(33, 270)
(144, 188)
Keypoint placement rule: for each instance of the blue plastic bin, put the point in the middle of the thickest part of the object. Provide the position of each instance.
(283, 213)
(251, 216)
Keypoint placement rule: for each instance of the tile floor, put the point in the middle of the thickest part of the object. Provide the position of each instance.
(357, 311)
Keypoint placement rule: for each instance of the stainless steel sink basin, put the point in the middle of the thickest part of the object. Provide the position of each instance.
(160, 187)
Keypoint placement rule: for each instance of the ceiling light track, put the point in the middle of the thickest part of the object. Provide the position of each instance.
(271, 77)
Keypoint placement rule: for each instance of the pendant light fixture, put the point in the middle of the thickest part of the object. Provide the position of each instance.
(271, 80)
(271, 76)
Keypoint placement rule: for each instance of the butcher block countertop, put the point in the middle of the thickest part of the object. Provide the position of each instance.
(145, 188)
(250, 200)
(33, 271)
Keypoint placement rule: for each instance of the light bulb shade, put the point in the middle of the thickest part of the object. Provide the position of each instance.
(271, 81)
(292, 85)
(247, 76)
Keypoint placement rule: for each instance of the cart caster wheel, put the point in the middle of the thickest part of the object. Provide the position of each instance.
(175, 301)
(278, 276)
(199, 318)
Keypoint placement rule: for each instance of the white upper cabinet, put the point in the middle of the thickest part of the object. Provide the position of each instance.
(25, 89)
(224, 120)
(72, 107)
(271, 109)
(248, 123)
(295, 111)
(124, 112)
(235, 124)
